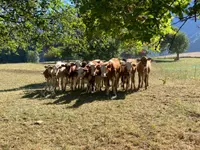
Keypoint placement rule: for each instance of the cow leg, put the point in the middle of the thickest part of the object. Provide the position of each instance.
(75, 83)
(71, 86)
(142, 80)
(47, 85)
(146, 81)
(83, 84)
(139, 80)
(133, 81)
(127, 83)
(106, 83)
(65, 83)
(122, 82)
(61, 84)
(114, 87)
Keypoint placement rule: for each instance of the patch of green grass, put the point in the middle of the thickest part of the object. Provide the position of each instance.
(186, 68)
(165, 116)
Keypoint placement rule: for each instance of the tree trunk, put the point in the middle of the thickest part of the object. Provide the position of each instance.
(177, 57)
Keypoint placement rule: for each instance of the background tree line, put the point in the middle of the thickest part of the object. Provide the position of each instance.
(86, 29)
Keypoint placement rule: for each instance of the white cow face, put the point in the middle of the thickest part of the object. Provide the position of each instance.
(128, 66)
(103, 70)
(81, 72)
(92, 68)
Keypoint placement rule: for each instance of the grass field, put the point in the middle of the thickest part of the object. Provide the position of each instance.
(166, 116)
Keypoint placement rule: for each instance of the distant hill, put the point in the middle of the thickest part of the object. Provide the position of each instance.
(192, 29)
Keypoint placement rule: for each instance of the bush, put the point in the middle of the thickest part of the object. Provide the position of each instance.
(52, 55)
(33, 56)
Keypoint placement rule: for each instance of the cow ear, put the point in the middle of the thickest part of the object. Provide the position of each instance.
(149, 59)
(122, 62)
(134, 65)
(105, 63)
(46, 67)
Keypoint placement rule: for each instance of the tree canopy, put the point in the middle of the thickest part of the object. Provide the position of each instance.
(143, 21)
(177, 44)
(89, 27)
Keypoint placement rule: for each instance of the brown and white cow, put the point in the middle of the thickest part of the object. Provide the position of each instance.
(98, 77)
(50, 76)
(63, 76)
(110, 71)
(125, 73)
(91, 77)
(133, 71)
(143, 69)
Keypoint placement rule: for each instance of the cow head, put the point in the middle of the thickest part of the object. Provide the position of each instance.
(91, 66)
(97, 71)
(72, 68)
(128, 67)
(106, 68)
(78, 63)
(47, 71)
(144, 60)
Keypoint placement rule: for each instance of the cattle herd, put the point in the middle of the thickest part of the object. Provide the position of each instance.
(97, 74)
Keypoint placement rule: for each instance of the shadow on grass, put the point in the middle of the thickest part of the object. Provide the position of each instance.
(40, 94)
(164, 61)
(35, 91)
(26, 87)
(83, 98)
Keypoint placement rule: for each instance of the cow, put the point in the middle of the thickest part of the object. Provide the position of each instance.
(90, 76)
(110, 71)
(143, 69)
(63, 75)
(50, 75)
(73, 74)
(125, 73)
(133, 71)
(98, 77)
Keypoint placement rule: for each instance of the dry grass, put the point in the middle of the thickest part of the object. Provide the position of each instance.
(165, 116)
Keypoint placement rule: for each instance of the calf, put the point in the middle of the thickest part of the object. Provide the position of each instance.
(98, 77)
(50, 76)
(63, 76)
(91, 75)
(125, 73)
(133, 71)
(110, 71)
(143, 69)
(73, 74)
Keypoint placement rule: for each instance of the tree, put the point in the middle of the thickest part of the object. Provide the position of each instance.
(142, 20)
(177, 44)
(180, 44)
(22, 22)
(135, 21)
